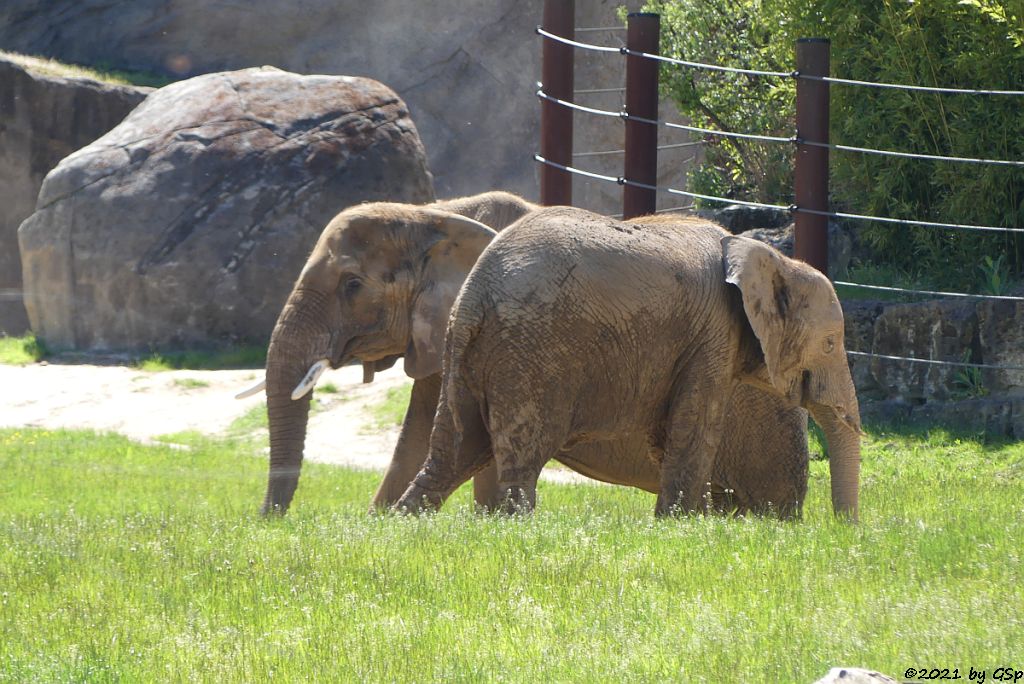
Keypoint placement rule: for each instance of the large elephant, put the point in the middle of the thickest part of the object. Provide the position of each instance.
(574, 329)
(379, 284)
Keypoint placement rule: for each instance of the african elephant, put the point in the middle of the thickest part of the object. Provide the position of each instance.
(378, 286)
(755, 471)
(574, 328)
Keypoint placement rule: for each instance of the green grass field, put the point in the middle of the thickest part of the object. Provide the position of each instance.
(121, 562)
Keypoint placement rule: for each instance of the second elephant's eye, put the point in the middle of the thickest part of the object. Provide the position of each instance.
(829, 344)
(351, 287)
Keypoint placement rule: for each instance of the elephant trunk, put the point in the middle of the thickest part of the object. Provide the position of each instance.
(838, 415)
(300, 338)
(287, 419)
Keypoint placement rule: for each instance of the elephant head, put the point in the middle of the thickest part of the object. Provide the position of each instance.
(797, 320)
(378, 285)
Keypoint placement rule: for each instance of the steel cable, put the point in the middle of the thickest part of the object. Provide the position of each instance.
(900, 86)
(961, 364)
(576, 43)
(707, 67)
(911, 155)
(931, 293)
(656, 122)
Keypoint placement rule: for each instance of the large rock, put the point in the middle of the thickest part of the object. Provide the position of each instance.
(941, 330)
(855, 675)
(1001, 343)
(782, 237)
(189, 222)
(859, 318)
(466, 70)
(989, 332)
(43, 118)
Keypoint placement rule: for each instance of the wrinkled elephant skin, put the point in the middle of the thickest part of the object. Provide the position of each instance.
(576, 329)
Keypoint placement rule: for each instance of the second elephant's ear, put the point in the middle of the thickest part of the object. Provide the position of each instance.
(764, 277)
(455, 244)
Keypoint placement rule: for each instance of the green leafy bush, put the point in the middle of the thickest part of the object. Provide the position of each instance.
(966, 44)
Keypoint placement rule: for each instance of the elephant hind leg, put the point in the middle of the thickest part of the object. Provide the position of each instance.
(455, 455)
(523, 441)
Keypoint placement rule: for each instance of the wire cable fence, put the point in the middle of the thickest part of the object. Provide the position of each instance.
(794, 139)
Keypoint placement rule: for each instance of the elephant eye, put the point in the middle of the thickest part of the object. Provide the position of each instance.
(829, 345)
(351, 287)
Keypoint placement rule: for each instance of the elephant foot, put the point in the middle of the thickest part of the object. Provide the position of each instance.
(518, 500)
(417, 500)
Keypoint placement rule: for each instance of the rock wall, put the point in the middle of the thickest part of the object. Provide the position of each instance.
(979, 332)
(466, 70)
(43, 119)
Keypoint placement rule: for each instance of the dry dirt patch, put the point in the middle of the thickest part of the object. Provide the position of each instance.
(143, 405)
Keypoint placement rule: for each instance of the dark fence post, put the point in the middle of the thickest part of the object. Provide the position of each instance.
(641, 157)
(811, 172)
(556, 120)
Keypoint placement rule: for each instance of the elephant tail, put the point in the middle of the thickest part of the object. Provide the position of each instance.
(463, 326)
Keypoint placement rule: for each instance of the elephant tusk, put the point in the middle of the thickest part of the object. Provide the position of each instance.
(259, 386)
(312, 375)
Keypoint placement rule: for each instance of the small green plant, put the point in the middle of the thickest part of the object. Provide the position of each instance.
(101, 71)
(190, 383)
(20, 351)
(328, 388)
(995, 274)
(252, 420)
(968, 382)
(391, 410)
(239, 357)
(188, 438)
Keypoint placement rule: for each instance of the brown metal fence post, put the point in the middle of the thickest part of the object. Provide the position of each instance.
(641, 146)
(556, 120)
(811, 172)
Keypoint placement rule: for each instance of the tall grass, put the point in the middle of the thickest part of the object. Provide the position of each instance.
(131, 563)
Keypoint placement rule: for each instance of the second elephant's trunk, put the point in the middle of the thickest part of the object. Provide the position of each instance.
(287, 420)
(300, 338)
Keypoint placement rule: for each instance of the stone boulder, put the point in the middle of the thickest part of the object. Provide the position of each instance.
(43, 118)
(763, 225)
(188, 223)
(855, 675)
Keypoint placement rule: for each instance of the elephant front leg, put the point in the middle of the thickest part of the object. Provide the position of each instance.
(694, 430)
(413, 443)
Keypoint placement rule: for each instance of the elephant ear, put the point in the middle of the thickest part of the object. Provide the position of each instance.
(764, 279)
(453, 247)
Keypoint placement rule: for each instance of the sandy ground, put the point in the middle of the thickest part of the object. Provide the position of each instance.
(144, 405)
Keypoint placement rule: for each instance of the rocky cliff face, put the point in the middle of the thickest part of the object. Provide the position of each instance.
(466, 70)
(189, 222)
(952, 331)
(43, 118)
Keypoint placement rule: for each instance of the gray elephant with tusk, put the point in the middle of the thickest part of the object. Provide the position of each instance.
(379, 286)
(574, 329)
